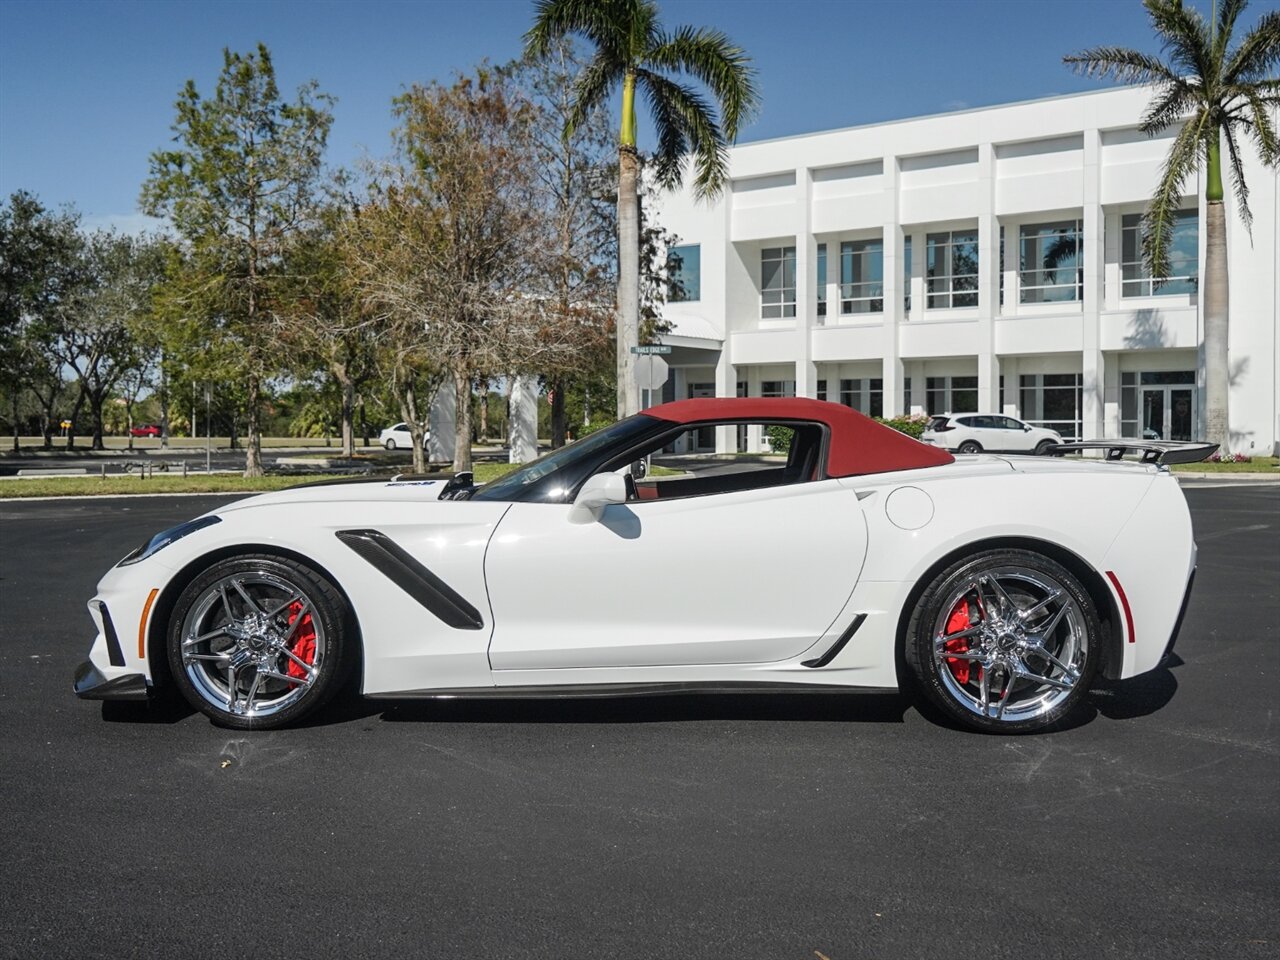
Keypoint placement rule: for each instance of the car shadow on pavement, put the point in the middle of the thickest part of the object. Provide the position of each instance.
(672, 708)
(163, 709)
(1114, 699)
(1138, 696)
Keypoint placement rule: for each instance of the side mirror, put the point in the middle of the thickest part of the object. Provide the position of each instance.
(1026, 428)
(596, 494)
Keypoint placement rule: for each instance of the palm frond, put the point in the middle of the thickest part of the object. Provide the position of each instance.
(596, 20)
(1238, 183)
(1171, 104)
(1183, 160)
(1122, 64)
(696, 120)
(1262, 129)
(1227, 16)
(1258, 53)
(673, 144)
(643, 30)
(710, 56)
(591, 88)
(1184, 35)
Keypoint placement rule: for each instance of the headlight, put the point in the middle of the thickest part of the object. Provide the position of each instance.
(166, 537)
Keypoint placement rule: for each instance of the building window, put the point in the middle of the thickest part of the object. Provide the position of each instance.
(866, 395)
(862, 276)
(1128, 404)
(1184, 258)
(906, 274)
(822, 389)
(1053, 401)
(777, 283)
(951, 395)
(684, 273)
(822, 279)
(906, 396)
(1052, 262)
(777, 388)
(951, 263)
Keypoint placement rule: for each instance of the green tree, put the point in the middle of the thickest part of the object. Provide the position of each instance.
(39, 253)
(1218, 91)
(240, 183)
(95, 324)
(323, 316)
(632, 50)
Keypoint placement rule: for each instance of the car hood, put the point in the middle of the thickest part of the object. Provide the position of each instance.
(363, 489)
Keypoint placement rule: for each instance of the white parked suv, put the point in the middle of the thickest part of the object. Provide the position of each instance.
(398, 437)
(976, 432)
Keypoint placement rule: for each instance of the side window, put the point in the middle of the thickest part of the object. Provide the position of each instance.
(1011, 424)
(791, 453)
(968, 421)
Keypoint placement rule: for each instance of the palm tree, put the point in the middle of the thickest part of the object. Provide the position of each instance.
(1218, 91)
(632, 49)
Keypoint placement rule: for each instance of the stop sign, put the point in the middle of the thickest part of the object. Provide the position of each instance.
(651, 372)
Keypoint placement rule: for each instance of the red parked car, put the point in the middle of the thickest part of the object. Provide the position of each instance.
(146, 430)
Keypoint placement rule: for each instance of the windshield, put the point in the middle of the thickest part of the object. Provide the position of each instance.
(553, 476)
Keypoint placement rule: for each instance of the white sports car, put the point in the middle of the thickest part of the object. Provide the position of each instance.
(996, 588)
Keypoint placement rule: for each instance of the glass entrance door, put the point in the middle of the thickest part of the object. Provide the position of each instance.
(1168, 412)
(1182, 413)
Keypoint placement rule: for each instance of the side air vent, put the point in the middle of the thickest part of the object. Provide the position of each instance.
(836, 647)
(406, 572)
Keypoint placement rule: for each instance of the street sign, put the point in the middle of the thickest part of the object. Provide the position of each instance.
(648, 349)
(651, 373)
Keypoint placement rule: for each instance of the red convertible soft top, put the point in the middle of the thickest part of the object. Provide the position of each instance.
(859, 445)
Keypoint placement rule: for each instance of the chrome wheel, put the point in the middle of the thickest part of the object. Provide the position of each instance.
(252, 644)
(1010, 643)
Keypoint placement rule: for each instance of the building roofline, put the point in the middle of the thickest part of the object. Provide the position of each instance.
(944, 113)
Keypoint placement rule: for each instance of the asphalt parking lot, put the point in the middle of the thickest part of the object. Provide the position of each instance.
(762, 826)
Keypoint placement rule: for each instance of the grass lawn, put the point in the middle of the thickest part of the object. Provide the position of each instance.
(1264, 465)
(117, 486)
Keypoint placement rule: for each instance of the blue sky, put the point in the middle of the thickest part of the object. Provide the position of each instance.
(87, 89)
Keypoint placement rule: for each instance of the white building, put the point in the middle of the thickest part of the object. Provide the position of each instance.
(981, 260)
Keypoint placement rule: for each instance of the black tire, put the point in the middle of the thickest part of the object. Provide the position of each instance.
(1023, 575)
(390, 444)
(335, 646)
(970, 446)
(1044, 446)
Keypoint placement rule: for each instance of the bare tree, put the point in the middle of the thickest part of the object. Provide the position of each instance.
(574, 177)
(448, 247)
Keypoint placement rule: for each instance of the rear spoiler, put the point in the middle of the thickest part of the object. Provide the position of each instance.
(1161, 452)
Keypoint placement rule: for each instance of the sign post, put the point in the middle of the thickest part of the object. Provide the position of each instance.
(208, 432)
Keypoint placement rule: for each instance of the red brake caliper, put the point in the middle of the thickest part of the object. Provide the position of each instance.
(304, 641)
(963, 615)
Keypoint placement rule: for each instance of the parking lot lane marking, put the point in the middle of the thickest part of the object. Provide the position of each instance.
(142, 624)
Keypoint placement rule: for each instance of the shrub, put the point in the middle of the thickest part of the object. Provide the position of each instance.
(1231, 458)
(912, 425)
(779, 437)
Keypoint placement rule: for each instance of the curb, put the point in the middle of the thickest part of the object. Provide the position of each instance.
(1241, 477)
